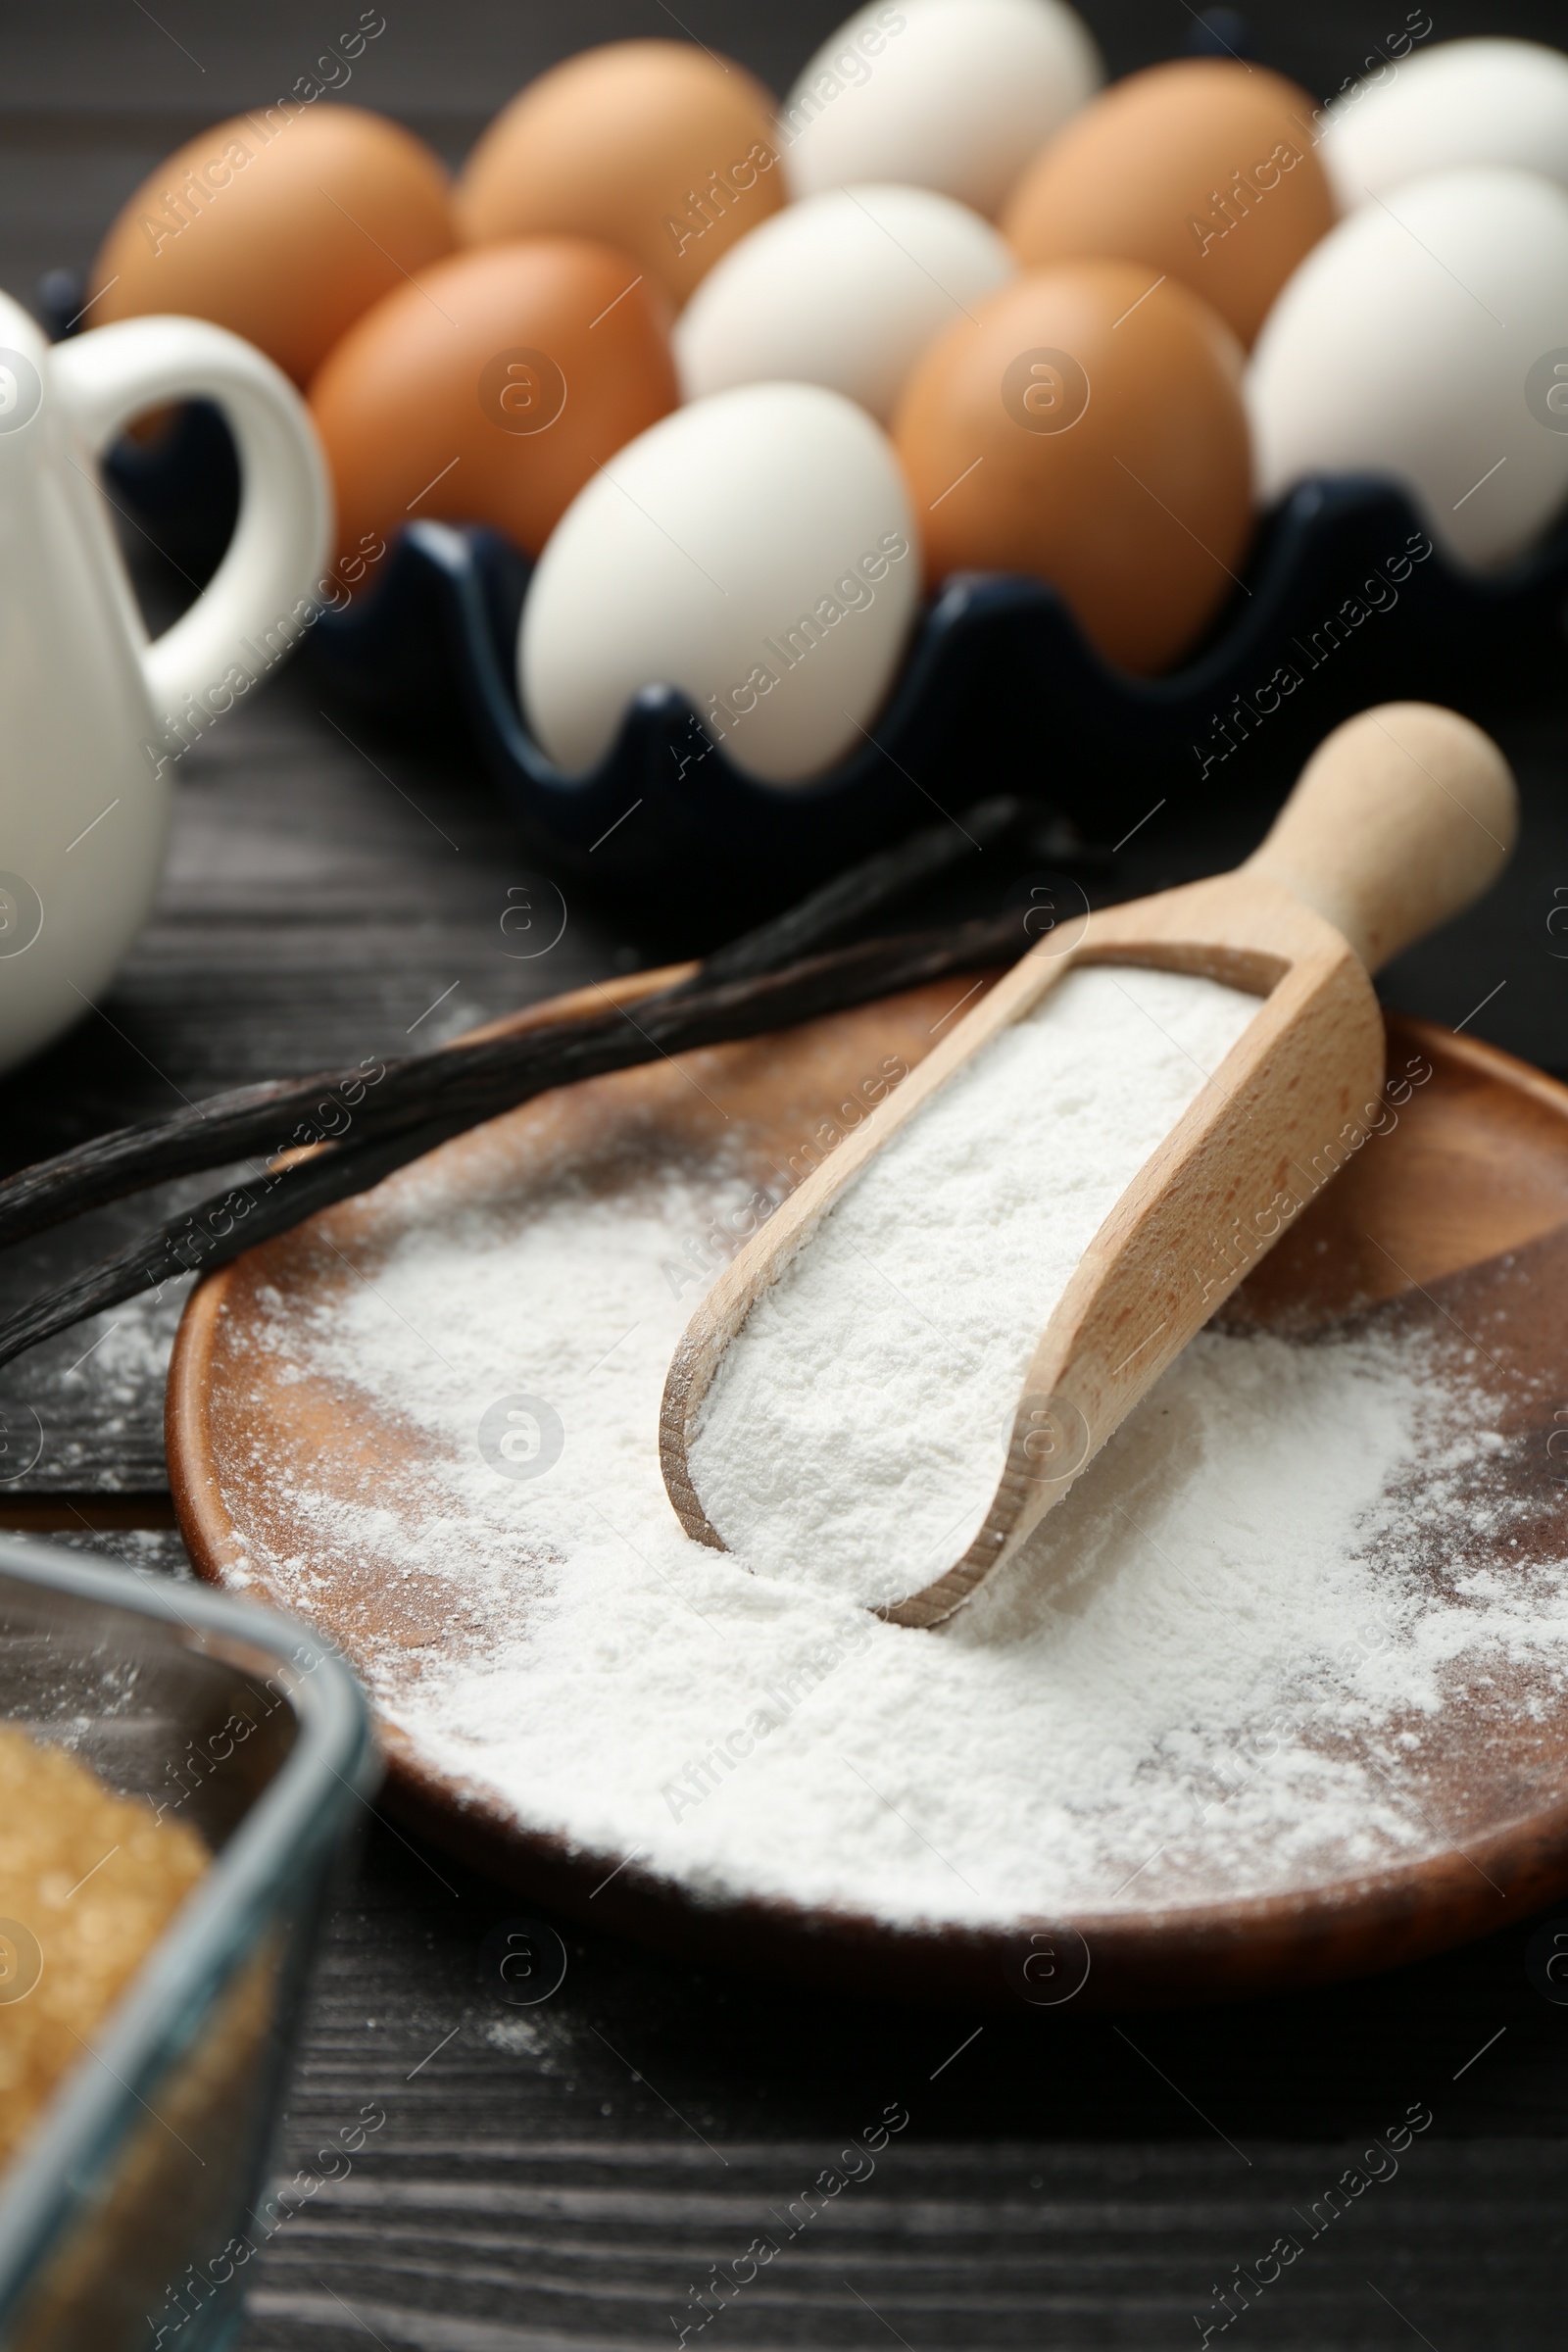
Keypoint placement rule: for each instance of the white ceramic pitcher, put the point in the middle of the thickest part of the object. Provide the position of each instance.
(91, 713)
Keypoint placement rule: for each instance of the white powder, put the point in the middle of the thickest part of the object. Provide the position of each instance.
(857, 1427)
(1230, 1663)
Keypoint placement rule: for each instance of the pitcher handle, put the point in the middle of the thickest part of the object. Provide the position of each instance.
(284, 534)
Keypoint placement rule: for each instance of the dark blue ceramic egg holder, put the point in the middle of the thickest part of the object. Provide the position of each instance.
(1345, 601)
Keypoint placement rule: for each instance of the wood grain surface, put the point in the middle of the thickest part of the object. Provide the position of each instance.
(565, 2175)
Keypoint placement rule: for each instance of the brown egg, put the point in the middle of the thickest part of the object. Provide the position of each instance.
(490, 388)
(657, 147)
(1204, 171)
(284, 224)
(1083, 429)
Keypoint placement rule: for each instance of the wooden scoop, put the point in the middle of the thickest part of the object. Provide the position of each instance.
(1401, 817)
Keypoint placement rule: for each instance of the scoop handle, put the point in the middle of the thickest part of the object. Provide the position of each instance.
(1399, 820)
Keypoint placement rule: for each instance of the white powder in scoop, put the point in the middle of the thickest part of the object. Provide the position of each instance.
(858, 1425)
(1230, 1663)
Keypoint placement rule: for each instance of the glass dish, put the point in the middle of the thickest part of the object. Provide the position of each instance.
(129, 2214)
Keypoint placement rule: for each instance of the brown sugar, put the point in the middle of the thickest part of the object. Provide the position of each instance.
(88, 1881)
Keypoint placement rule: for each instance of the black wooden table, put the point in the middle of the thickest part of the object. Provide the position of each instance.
(569, 2173)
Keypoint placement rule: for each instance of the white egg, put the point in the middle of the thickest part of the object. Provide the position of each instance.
(844, 290)
(1462, 103)
(1427, 337)
(949, 94)
(758, 551)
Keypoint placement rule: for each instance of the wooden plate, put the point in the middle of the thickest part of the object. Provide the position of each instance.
(1455, 1218)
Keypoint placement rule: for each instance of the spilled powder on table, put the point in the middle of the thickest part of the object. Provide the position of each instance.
(1222, 1667)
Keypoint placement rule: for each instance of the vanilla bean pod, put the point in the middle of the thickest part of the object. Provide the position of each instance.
(284, 1115)
(463, 1086)
(259, 1122)
(217, 1229)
